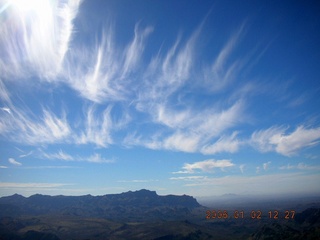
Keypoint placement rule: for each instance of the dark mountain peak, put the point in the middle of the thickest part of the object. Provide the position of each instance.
(17, 196)
(13, 198)
(141, 193)
(37, 196)
(182, 201)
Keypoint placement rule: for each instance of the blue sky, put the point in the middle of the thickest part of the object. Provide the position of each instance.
(181, 97)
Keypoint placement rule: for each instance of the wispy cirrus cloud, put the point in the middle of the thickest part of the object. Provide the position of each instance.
(191, 130)
(4, 94)
(300, 166)
(36, 44)
(266, 165)
(223, 144)
(166, 74)
(14, 162)
(206, 165)
(275, 139)
(24, 126)
(19, 126)
(135, 49)
(93, 72)
(25, 155)
(189, 178)
(97, 158)
(104, 72)
(224, 70)
(97, 128)
(138, 181)
(61, 155)
(6, 109)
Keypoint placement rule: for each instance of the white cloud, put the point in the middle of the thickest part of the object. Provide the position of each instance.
(104, 72)
(55, 127)
(21, 127)
(97, 128)
(24, 126)
(165, 75)
(93, 71)
(4, 93)
(180, 172)
(207, 165)
(301, 138)
(14, 162)
(60, 156)
(138, 181)
(135, 49)
(223, 70)
(25, 155)
(300, 166)
(266, 165)
(224, 144)
(262, 139)
(41, 38)
(162, 79)
(275, 139)
(6, 109)
(95, 158)
(189, 178)
(3, 167)
(192, 130)
(181, 142)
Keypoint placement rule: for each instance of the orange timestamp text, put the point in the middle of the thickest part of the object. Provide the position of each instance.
(254, 214)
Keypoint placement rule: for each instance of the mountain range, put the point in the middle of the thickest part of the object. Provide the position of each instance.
(138, 205)
(140, 215)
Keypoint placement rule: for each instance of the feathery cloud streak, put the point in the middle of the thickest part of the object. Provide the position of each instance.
(95, 158)
(36, 44)
(20, 126)
(14, 162)
(275, 139)
(104, 72)
(205, 166)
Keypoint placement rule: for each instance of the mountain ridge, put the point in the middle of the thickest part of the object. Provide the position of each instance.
(142, 204)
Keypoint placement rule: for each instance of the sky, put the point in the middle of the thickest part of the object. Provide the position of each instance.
(203, 98)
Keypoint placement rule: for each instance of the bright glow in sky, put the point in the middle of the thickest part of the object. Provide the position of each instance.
(181, 97)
